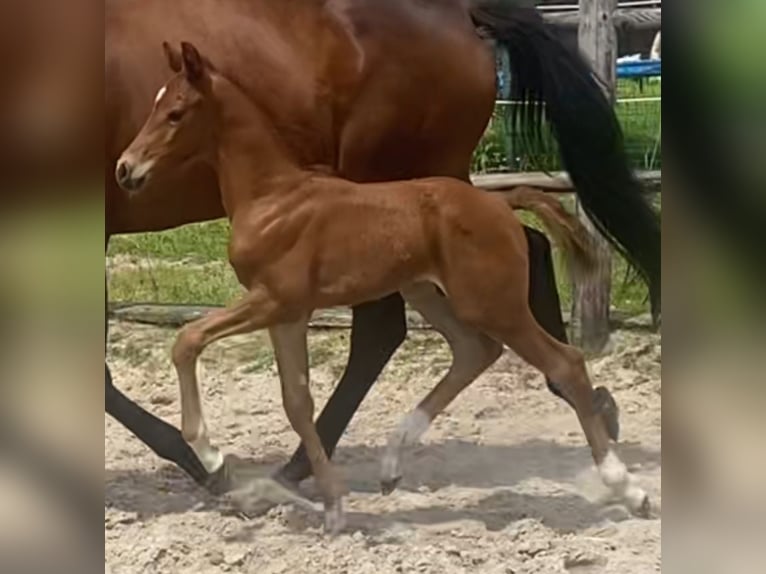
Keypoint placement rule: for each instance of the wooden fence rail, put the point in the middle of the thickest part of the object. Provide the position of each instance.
(556, 182)
(175, 315)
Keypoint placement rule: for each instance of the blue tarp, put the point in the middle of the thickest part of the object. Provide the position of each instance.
(639, 69)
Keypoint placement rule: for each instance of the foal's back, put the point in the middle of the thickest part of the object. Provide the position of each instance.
(328, 241)
(389, 234)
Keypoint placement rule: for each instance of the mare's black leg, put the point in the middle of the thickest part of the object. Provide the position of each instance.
(164, 439)
(546, 307)
(543, 295)
(377, 330)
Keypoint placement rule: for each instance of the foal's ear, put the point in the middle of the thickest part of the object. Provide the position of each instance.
(173, 57)
(192, 62)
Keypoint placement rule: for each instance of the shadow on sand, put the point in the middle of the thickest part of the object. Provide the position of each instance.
(430, 467)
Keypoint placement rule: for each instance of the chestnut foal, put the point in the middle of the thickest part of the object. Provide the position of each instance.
(303, 240)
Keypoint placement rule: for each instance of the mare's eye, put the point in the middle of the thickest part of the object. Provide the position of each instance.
(174, 116)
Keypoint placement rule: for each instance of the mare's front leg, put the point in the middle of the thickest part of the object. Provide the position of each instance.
(291, 354)
(164, 439)
(378, 328)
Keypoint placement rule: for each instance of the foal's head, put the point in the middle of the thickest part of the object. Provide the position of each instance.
(180, 128)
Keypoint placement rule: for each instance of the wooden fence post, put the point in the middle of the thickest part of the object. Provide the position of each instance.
(597, 39)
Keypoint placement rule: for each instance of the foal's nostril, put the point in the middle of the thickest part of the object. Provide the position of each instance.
(122, 172)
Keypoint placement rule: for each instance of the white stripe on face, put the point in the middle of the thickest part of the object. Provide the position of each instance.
(159, 95)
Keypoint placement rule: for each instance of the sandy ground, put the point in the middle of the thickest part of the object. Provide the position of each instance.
(503, 482)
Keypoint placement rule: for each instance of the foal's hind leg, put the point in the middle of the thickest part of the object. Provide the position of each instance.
(472, 352)
(546, 308)
(566, 365)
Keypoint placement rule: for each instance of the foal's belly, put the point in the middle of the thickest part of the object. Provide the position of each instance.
(369, 265)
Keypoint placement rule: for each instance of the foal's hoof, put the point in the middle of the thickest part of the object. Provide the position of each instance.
(334, 518)
(644, 508)
(390, 472)
(286, 480)
(604, 403)
(388, 485)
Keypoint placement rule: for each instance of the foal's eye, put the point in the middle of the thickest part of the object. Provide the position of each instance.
(174, 116)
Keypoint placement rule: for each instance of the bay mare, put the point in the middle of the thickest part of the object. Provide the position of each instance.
(375, 89)
(302, 240)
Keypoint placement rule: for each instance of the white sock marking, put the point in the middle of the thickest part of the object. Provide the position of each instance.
(615, 475)
(613, 472)
(412, 427)
(210, 457)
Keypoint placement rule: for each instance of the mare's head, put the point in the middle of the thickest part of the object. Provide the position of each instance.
(181, 126)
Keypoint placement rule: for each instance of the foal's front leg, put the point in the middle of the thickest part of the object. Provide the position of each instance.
(254, 311)
(290, 350)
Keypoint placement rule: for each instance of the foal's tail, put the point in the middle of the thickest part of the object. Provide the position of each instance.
(567, 230)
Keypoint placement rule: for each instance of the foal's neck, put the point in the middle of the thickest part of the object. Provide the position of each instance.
(252, 160)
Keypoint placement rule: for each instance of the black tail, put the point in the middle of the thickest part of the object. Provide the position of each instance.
(586, 128)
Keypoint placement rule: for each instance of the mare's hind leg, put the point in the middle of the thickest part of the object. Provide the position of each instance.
(291, 353)
(472, 351)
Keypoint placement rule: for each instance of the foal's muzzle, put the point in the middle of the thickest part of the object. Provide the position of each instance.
(129, 176)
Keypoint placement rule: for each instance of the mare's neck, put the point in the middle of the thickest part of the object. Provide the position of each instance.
(251, 160)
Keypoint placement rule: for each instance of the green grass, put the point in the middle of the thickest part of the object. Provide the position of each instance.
(167, 282)
(199, 243)
(188, 266)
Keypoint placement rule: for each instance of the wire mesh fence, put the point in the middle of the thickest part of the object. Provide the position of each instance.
(639, 109)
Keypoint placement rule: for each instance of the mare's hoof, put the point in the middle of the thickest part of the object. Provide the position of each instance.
(334, 518)
(293, 473)
(388, 485)
(235, 473)
(286, 480)
(604, 403)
